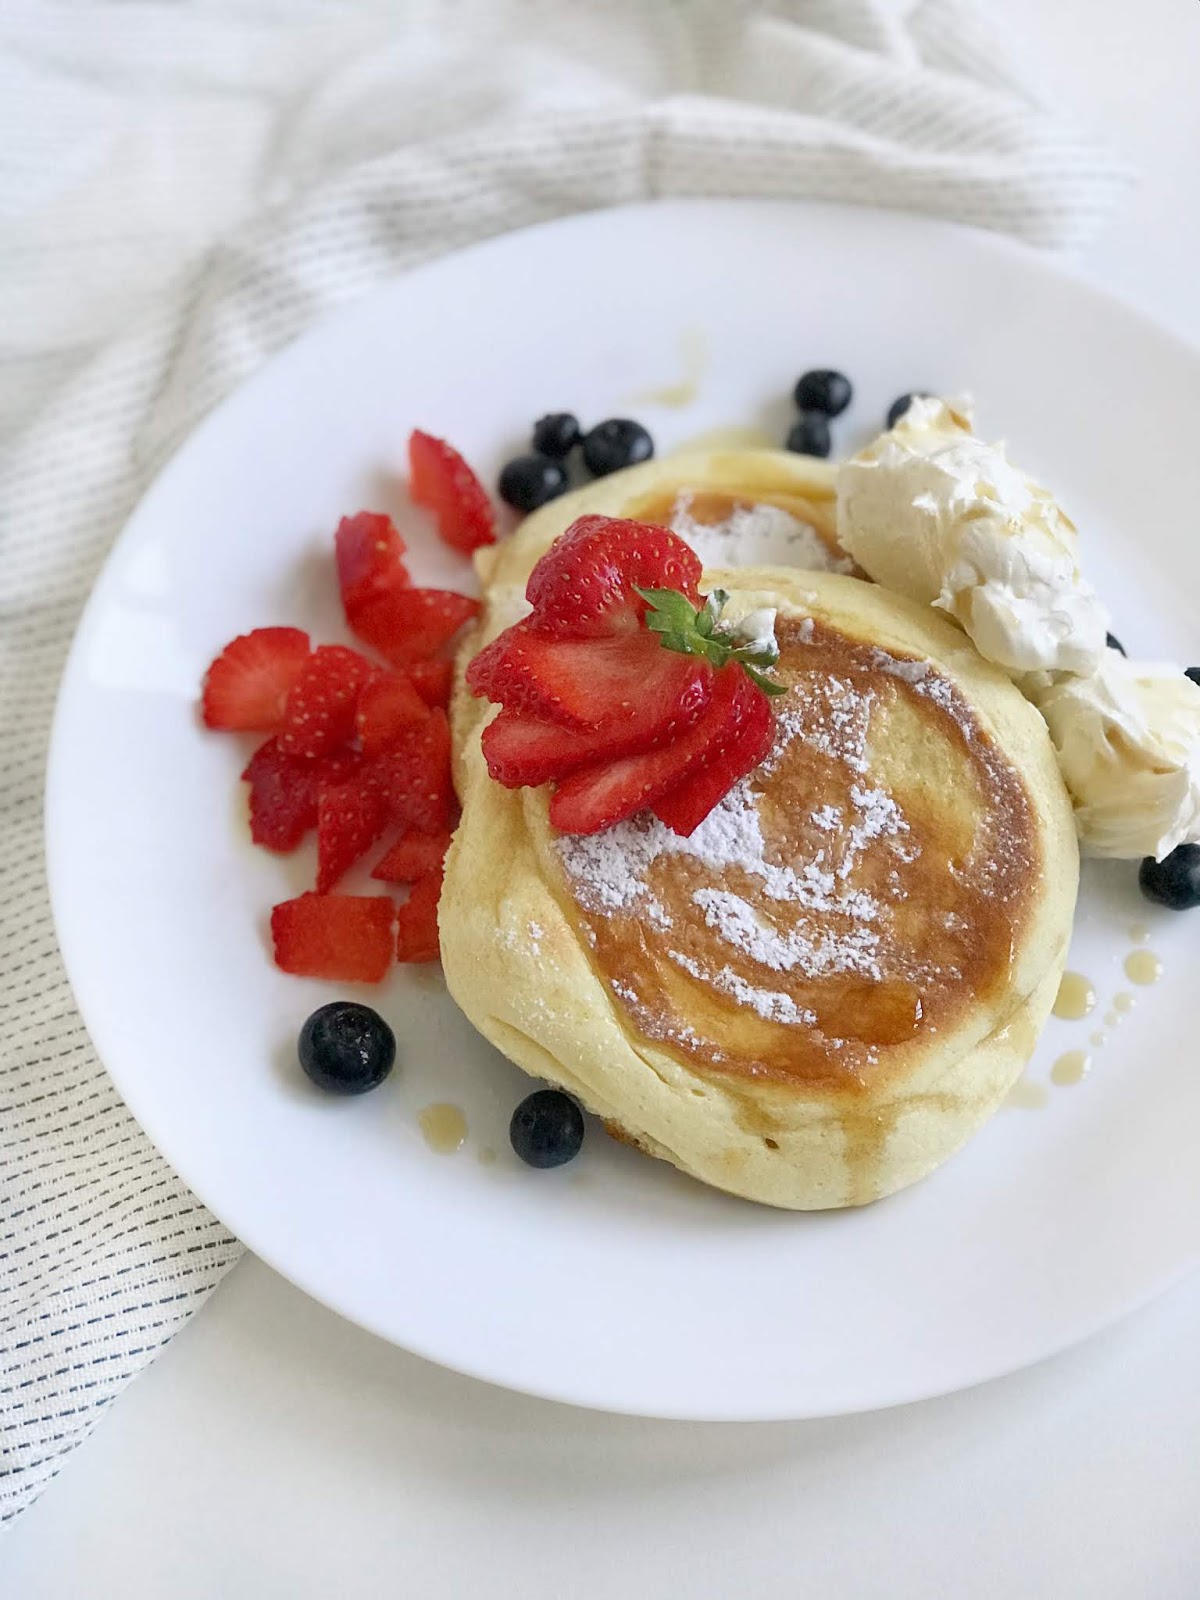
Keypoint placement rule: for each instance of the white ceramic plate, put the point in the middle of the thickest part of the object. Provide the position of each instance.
(615, 1282)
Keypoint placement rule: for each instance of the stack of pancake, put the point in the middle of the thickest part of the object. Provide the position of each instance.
(823, 992)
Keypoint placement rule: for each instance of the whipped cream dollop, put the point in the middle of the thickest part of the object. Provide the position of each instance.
(1128, 744)
(756, 631)
(935, 513)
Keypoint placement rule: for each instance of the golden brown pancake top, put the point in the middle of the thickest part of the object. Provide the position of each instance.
(852, 898)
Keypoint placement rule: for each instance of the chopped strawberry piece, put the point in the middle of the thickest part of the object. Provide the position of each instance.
(597, 797)
(350, 817)
(414, 777)
(283, 797)
(584, 585)
(685, 807)
(414, 855)
(412, 624)
(440, 479)
(246, 686)
(283, 792)
(625, 681)
(433, 681)
(345, 938)
(387, 704)
(370, 560)
(319, 712)
(416, 921)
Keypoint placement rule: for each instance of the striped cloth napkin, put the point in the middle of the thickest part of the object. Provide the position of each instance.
(183, 188)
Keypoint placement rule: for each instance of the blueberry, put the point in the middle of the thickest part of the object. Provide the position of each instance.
(825, 391)
(809, 434)
(614, 444)
(1114, 643)
(1174, 881)
(346, 1048)
(900, 405)
(546, 1129)
(528, 482)
(1193, 673)
(556, 434)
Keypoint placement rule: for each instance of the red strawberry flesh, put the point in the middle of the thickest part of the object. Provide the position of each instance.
(247, 685)
(340, 937)
(416, 921)
(596, 797)
(350, 818)
(370, 560)
(584, 586)
(318, 715)
(411, 625)
(283, 792)
(685, 807)
(589, 683)
(414, 777)
(387, 704)
(414, 855)
(433, 681)
(441, 480)
(522, 751)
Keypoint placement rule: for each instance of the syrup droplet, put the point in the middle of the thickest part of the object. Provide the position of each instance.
(1139, 933)
(444, 1127)
(1026, 1095)
(1143, 966)
(1124, 1001)
(1098, 1038)
(1070, 1068)
(1076, 997)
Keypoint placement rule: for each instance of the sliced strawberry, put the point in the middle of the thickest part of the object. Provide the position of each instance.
(416, 921)
(523, 751)
(626, 680)
(246, 686)
(370, 559)
(440, 479)
(414, 777)
(414, 855)
(350, 817)
(597, 797)
(412, 624)
(387, 704)
(345, 938)
(685, 807)
(283, 792)
(433, 681)
(584, 585)
(319, 712)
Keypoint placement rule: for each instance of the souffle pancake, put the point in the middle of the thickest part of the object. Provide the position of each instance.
(815, 995)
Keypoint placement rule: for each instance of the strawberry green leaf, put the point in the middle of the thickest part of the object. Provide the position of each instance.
(767, 685)
(669, 610)
(690, 632)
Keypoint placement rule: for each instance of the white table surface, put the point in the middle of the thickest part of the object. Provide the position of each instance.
(274, 1450)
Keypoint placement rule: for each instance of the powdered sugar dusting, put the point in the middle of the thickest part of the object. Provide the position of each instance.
(833, 716)
(816, 953)
(772, 1004)
(609, 870)
(756, 536)
(905, 667)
